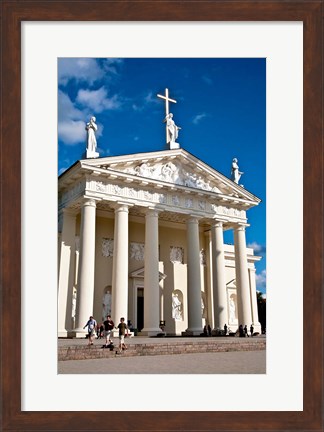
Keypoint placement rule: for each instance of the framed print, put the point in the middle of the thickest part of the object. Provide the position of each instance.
(26, 217)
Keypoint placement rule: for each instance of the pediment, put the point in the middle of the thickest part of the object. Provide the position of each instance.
(140, 274)
(173, 167)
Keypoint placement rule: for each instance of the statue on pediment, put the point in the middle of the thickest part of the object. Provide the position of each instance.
(236, 174)
(172, 128)
(91, 128)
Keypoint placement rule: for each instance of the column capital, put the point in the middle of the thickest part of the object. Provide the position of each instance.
(89, 202)
(241, 227)
(120, 207)
(217, 224)
(193, 219)
(151, 212)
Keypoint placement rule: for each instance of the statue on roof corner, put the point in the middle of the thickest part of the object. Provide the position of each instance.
(91, 128)
(173, 130)
(236, 174)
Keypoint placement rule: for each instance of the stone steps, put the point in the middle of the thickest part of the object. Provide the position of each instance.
(82, 352)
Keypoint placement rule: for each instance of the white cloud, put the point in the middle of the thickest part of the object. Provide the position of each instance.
(261, 280)
(71, 131)
(257, 247)
(67, 109)
(98, 100)
(87, 70)
(80, 69)
(198, 117)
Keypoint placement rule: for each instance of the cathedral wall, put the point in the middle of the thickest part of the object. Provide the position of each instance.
(103, 264)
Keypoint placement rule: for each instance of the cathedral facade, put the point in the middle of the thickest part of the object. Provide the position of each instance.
(141, 237)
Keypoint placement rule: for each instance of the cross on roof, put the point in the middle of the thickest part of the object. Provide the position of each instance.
(167, 100)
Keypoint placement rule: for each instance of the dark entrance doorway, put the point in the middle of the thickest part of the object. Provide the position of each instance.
(140, 308)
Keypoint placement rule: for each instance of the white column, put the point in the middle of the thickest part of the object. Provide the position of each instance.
(242, 277)
(86, 266)
(194, 280)
(151, 275)
(219, 280)
(66, 272)
(209, 278)
(120, 265)
(254, 303)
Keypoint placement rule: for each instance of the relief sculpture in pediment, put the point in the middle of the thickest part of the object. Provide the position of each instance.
(172, 173)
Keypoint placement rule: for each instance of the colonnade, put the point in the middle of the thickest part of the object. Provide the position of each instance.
(247, 308)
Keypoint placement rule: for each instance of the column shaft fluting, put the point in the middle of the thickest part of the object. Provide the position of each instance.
(151, 275)
(66, 273)
(194, 279)
(86, 265)
(120, 265)
(254, 303)
(242, 277)
(219, 279)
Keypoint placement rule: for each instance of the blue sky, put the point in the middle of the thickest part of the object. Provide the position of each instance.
(221, 108)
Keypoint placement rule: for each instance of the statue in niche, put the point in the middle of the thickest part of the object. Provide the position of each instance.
(172, 128)
(74, 304)
(91, 128)
(176, 307)
(106, 304)
(236, 174)
(232, 309)
(203, 257)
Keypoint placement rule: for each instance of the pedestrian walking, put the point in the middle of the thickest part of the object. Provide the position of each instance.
(246, 331)
(91, 324)
(225, 329)
(251, 330)
(123, 331)
(108, 326)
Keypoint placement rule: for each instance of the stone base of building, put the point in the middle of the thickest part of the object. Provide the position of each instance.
(257, 328)
(192, 332)
(150, 331)
(62, 334)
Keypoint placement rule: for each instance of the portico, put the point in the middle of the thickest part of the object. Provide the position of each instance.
(157, 212)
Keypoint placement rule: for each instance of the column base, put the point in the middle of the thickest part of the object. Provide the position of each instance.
(78, 333)
(150, 331)
(62, 334)
(192, 332)
(256, 328)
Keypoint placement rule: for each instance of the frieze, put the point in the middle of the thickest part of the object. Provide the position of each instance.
(202, 205)
(71, 194)
(188, 202)
(175, 200)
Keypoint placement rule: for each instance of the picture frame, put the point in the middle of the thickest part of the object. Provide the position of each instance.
(13, 14)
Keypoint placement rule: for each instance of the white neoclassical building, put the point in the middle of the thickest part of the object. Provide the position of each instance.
(141, 236)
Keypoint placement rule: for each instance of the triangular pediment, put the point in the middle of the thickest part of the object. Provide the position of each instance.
(173, 167)
(139, 274)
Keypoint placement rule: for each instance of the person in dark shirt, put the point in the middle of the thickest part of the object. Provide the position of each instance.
(108, 325)
(123, 330)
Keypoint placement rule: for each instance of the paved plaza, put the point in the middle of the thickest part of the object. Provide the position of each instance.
(233, 362)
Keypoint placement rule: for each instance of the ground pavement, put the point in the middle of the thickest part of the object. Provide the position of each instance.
(226, 355)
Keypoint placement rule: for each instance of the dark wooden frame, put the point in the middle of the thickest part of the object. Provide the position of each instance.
(13, 13)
